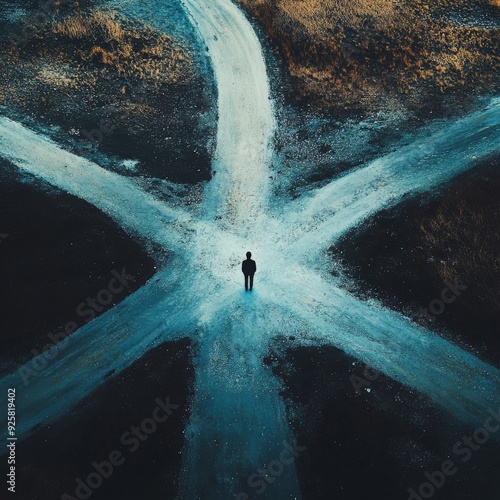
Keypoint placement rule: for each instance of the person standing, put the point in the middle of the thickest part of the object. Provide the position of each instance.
(249, 268)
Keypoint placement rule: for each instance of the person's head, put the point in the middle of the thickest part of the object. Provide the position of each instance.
(249, 254)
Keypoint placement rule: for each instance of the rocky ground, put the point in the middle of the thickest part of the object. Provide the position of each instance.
(114, 84)
(367, 437)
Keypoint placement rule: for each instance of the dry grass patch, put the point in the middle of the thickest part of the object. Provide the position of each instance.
(318, 16)
(97, 24)
(359, 52)
(129, 49)
(85, 65)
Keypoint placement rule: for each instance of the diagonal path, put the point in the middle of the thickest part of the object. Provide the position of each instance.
(121, 198)
(329, 212)
(383, 339)
(106, 345)
(238, 422)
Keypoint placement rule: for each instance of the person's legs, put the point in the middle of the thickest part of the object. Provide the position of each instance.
(251, 281)
(246, 281)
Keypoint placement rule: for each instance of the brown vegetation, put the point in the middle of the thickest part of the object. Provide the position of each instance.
(84, 65)
(106, 45)
(355, 52)
(91, 51)
(462, 238)
(129, 49)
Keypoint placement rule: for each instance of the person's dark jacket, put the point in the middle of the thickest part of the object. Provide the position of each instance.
(248, 266)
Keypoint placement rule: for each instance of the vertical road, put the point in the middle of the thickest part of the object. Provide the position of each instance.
(238, 442)
(239, 190)
(238, 424)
